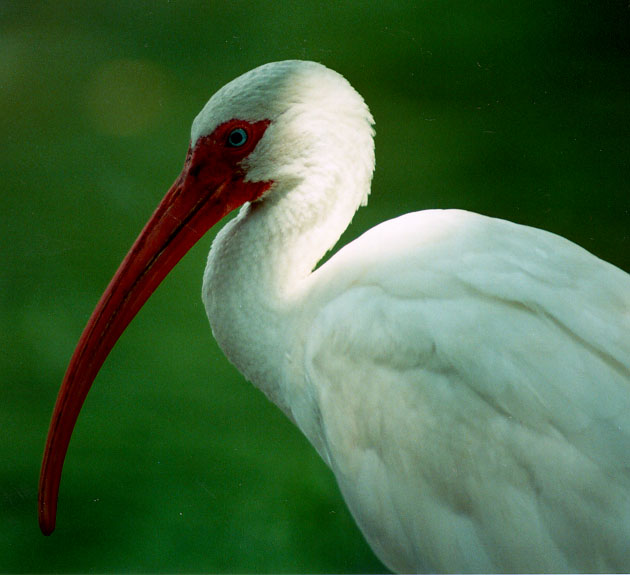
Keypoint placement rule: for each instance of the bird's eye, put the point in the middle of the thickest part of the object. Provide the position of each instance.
(236, 138)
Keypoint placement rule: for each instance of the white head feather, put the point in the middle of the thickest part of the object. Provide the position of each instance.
(317, 121)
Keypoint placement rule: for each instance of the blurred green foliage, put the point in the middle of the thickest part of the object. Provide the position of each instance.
(514, 109)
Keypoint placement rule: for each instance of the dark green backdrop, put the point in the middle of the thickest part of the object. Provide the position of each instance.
(515, 109)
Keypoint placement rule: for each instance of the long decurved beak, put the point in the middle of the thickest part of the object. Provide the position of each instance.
(191, 207)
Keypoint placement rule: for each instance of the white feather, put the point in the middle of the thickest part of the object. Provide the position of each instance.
(466, 379)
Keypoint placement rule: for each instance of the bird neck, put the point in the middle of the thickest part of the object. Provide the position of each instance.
(259, 273)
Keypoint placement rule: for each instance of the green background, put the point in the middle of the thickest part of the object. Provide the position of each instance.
(517, 109)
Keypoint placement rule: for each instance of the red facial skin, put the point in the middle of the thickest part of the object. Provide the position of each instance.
(210, 186)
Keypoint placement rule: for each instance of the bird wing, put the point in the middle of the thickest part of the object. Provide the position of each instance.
(472, 382)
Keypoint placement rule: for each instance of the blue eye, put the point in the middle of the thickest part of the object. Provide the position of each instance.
(236, 138)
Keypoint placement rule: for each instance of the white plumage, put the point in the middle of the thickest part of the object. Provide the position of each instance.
(466, 379)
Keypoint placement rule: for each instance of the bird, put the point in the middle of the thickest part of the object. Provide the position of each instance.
(465, 378)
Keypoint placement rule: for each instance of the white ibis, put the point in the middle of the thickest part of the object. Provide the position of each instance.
(466, 379)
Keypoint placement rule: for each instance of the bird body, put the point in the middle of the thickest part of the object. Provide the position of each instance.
(448, 368)
(466, 379)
